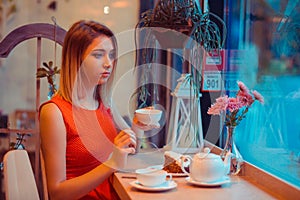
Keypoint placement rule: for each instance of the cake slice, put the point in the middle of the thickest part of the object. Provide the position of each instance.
(172, 162)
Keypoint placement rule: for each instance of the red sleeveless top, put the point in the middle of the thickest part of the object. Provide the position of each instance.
(90, 135)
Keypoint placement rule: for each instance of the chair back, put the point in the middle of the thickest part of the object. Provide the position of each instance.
(38, 31)
(19, 181)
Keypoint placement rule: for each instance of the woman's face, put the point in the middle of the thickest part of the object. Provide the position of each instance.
(97, 65)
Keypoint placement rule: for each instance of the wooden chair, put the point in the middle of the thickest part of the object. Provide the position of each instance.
(44, 178)
(19, 181)
(23, 33)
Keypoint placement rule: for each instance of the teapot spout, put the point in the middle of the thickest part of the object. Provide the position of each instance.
(227, 162)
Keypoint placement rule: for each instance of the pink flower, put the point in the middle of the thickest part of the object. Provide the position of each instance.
(245, 98)
(242, 87)
(219, 106)
(222, 101)
(258, 96)
(233, 104)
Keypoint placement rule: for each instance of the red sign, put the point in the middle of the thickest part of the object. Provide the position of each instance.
(213, 66)
(214, 61)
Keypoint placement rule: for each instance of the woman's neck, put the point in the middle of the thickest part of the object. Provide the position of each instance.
(89, 103)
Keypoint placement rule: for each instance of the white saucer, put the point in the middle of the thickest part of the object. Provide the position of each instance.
(173, 174)
(168, 185)
(222, 181)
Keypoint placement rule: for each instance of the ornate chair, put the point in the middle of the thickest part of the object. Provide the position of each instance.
(39, 31)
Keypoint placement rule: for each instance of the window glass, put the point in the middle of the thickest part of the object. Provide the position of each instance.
(264, 52)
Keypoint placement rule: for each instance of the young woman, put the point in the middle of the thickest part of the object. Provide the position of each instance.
(79, 139)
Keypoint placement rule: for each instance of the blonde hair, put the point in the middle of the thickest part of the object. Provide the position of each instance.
(77, 40)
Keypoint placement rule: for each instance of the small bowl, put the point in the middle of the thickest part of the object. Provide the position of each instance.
(148, 116)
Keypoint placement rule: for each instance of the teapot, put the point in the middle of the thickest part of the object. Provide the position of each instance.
(206, 166)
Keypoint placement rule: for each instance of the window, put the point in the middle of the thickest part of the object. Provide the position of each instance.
(267, 58)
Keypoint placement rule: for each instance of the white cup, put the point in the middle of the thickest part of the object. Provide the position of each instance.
(152, 177)
(148, 116)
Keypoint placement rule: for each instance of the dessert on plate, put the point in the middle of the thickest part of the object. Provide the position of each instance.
(172, 162)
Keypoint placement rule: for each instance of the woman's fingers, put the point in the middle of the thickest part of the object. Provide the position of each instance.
(146, 127)
(130, 150)
(149, 107)
(155, 125)
(125, 138)
(126, 141)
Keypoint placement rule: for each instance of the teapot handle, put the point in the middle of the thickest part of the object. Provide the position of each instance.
(185, 161)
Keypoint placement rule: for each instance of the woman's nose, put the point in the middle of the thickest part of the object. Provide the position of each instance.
(106, 65)
(107, 62)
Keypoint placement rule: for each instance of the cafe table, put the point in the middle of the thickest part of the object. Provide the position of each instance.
(239, 187)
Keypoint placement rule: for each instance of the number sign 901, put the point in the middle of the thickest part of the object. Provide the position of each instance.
(212, 82)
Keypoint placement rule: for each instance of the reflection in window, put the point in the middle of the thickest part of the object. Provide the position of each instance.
(269, 48)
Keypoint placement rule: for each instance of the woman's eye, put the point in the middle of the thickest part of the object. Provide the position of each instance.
(112, 55)
(98, 55)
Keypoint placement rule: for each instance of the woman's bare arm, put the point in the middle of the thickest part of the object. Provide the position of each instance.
(53, 138)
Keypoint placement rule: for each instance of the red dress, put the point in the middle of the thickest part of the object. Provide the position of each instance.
(90, 135)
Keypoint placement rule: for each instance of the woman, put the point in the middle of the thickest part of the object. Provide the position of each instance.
(80, 143)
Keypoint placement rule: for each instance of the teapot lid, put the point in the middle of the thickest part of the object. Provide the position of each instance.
(206, 154)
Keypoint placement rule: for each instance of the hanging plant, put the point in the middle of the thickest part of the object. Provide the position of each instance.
(176, 24)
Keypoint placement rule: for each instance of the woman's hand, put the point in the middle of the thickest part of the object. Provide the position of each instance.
(126, 140)
(124, 144)
(142, 126)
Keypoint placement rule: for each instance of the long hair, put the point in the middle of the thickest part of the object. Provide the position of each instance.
(77, 40)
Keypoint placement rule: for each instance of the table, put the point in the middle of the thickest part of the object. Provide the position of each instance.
(238, 188)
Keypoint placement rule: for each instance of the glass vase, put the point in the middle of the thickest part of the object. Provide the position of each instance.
(229, 141)
(235, 160)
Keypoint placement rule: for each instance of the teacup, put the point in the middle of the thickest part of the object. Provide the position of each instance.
(148, 115)
(152, 177)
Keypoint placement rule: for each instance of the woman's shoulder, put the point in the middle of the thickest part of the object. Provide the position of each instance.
(52, 106)
(49, 109)
(48, 106)
(57, 101)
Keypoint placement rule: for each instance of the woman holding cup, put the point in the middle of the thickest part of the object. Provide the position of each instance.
(81, 143)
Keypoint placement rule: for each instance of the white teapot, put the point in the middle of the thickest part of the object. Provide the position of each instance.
(206, 166)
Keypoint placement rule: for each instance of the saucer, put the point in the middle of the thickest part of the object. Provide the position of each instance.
(168, 185)
(222, 181)
(173, 174)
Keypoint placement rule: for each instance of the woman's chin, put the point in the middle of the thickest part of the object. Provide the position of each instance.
(102, 81)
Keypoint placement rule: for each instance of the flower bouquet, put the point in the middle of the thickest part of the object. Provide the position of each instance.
(235, 109)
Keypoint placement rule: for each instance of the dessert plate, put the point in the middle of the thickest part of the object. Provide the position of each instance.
(173, 174)
(168, 185)
(222, 181)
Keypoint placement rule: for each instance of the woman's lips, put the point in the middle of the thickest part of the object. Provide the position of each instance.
(105, 74)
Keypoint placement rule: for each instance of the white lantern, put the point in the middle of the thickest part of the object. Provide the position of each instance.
(185, 132)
